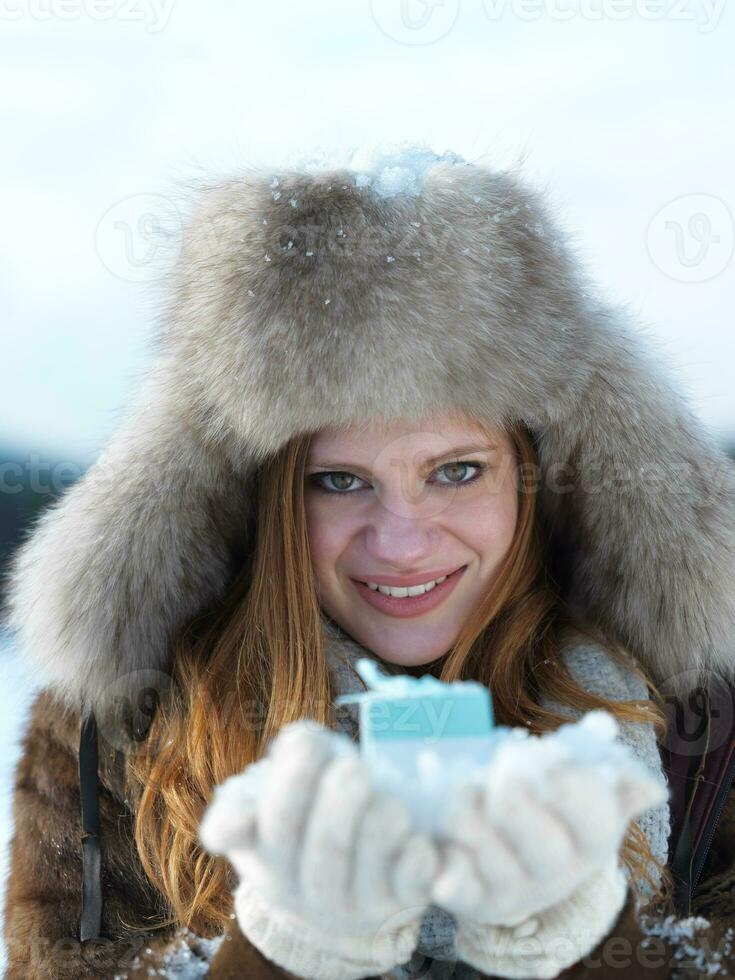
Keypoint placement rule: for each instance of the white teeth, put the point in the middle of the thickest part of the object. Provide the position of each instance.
(400, 592)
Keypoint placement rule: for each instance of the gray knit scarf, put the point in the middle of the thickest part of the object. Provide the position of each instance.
(595, 671)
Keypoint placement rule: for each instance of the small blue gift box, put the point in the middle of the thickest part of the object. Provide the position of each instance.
(421, 735)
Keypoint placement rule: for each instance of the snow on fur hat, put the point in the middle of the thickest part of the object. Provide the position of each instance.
(311, 298)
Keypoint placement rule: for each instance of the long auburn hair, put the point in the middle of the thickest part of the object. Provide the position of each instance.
(255, 661)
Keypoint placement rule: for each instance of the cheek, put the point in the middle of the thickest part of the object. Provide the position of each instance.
(329, 533)
(489, 524)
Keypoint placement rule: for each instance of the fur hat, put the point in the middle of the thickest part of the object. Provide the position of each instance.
(311, 298)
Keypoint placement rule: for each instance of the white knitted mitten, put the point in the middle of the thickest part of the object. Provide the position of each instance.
(334, 879)
(531, 849)
(319, 953)
(549, 941)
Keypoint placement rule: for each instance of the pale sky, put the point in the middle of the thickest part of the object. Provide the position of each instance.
(621, 109)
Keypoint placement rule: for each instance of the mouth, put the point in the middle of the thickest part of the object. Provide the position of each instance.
(404, 607)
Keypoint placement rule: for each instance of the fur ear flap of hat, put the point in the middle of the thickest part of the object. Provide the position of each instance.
(310, 299)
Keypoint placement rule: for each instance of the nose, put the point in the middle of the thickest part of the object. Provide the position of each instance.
(400, 541)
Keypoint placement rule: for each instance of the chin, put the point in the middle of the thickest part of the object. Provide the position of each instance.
(398, 643)
(413, 648)
(403, 660)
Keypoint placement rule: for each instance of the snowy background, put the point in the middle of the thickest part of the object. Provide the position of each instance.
(620, 109)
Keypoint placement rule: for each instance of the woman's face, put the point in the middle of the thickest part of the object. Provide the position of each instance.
(404, 506)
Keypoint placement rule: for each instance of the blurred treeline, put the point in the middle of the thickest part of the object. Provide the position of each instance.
(29, 482)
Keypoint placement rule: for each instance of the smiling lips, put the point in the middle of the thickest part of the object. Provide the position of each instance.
(409, 581)
(403, 604)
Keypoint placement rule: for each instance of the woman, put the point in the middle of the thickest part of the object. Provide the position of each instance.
(199, 597)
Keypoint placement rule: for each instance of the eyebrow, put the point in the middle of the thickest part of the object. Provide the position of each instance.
(431, 461)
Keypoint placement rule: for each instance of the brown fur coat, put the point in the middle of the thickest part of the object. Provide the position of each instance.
(44, 900)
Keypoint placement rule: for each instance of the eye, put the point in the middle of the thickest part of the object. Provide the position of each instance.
(316, 480)
(341, 479)
(460, 465)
